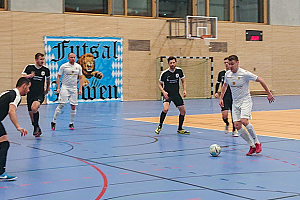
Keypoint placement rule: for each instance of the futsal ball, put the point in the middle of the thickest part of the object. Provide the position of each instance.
(214, 150)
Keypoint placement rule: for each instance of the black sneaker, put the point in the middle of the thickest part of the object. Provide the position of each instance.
(71, 126)
(37, 131)
(53, 126)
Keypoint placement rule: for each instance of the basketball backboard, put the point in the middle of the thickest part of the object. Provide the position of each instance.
(201, 27)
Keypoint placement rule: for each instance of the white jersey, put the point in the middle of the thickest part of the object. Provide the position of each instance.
(239, 84)
(70, 74)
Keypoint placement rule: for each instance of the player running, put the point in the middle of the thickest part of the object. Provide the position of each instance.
(37, 73)
(238, 80)
(71, 73)
(9, 101)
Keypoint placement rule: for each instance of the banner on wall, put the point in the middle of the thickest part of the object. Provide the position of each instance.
(101, 62)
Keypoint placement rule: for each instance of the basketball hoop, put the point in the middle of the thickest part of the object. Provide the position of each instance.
(207, 39)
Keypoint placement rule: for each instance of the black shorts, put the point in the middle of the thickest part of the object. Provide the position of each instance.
(2, 130)
(227, 104)
(177, 100)
(31, 99)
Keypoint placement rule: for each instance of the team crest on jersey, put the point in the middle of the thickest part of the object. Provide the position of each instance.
(239, 78)
(177, 75)
(233, 83)
(43, 73)
(72, 72)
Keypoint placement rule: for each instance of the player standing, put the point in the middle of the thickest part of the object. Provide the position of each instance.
(37, 73)
(71, 72)
(9, 101)
(238, 80)
(227, 99)
(169, 86)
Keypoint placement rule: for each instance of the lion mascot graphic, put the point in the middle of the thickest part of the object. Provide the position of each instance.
(87, 63)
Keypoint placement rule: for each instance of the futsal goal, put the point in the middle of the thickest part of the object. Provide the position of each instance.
(198, 73)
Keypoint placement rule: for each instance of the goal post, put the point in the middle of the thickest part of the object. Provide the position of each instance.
(198, 73)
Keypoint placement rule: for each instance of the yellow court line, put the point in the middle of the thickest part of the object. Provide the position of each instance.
(278, 123)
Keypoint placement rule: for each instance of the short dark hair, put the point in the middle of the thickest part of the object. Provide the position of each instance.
(38, 55)
(70, 53)
(226, 58)
(233, 57)
(172, 58)
(21, 81)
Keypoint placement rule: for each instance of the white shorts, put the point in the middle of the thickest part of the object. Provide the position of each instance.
(68, 95)
(241, 109)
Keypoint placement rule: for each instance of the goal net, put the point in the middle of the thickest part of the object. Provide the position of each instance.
(198, 73)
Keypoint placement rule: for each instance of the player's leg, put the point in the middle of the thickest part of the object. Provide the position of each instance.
(36, 115)
(63, 98)
(57, 112)
(234, 131)
(178, 101)
(4, 146)
(236, 115)
(163, 114)
(246, 116)
(72, 117)
(225, 119)
(29, 103)
(228, 106)
(74, 102)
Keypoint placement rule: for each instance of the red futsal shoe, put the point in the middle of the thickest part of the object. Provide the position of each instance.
(258, 147)
(251, 151)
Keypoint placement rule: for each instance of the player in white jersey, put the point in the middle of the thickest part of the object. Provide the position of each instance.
(71, 73)
(238, 80)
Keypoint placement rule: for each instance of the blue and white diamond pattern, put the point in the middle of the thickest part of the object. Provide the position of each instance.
(116, 65)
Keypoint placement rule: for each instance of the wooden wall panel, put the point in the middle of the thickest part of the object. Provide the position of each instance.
(275, 59)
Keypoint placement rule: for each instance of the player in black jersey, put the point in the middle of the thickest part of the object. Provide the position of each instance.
(227, 98)
(38, 74)
(169, 86)
(9, 101)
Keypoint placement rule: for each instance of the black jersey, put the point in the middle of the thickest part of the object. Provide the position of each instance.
(7, 98)
(171, 80)
(38, 81)
(221, 78)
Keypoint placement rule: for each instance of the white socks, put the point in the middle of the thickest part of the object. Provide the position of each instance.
(57, 111)
(73, 114)
(251, 131)
(246, 136)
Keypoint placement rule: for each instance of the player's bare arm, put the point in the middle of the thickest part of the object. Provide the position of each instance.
(160, 86)
(80, 84)
(264, 85)
(57, 83)
(47, 85)
(184, 86)
(29, 75)
(224, 88)
(13, 117)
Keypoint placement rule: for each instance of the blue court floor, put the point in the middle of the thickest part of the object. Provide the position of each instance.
(108, 156)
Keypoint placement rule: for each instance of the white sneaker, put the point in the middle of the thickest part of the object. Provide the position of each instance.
(226, 129)
(235, 134)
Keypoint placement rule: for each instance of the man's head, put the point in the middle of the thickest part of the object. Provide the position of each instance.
(233, 63)
(172, 62)
(71, 58)
(39, 59)
(227, 67)
(23, 85)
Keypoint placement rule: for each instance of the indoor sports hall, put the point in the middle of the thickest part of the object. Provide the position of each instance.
(113, 153)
